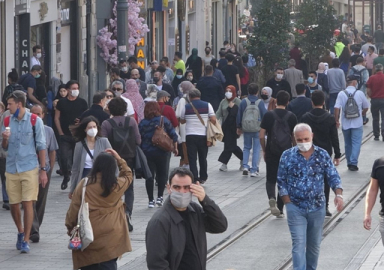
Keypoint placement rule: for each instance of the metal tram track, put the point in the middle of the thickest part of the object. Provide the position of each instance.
(329, 225)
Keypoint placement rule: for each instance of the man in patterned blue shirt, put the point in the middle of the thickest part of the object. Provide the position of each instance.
(301, 175)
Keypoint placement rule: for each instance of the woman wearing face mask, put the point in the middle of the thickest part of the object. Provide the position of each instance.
(227, 113)
(266, 96)
(89, 145)
(179, 78)
(189, 77)
(132, 93)
(195, 63)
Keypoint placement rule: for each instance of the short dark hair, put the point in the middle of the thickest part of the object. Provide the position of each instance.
(357, 49)
(13, 75)
(282, 98)
(180, 172)
(208, 69)
(318, 97)
(359, 60)
(381, 51)
(335, 62)
(279, 68)
(161, 69)
(151, 110)
(371, 48)
(132, 59)
(117, 106)
(98, 97)
(222, 53)
(226, 42)
(70, 83)
(36, 47)
(18, 96)
(36, 68)
(253, 89)
(245, 58)
(230, 57)
(122, 61)
(300, 88)
(179, 54)
(115, 70)
(165, 59)
(369, 39)
(313, 72)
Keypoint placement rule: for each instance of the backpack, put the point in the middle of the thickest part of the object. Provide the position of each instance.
(358, 73)
(251, 117)
(33, 122)
(10, 89)
(281, 138)
(351, 109)
(119, 139)
(244, 80)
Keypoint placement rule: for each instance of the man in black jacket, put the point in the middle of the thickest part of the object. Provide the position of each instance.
(301, 104)
(277, 83)
(324, 129)
(176, 234)
(162, 86)
(210, 88)
(97, 109)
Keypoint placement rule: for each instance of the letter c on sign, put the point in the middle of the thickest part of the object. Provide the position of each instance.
(24, 43)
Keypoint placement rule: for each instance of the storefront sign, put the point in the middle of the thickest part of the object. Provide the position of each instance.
(22, 6)
(23, 43)
(177, 39)
(140, 53)
(181, 9)
(187, 40)
(65, 13)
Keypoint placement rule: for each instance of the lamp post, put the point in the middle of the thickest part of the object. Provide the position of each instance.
(122, 29)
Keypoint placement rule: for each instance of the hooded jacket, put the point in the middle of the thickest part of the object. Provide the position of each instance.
(324, 128)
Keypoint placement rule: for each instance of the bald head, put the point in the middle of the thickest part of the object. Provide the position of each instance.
(135, 74)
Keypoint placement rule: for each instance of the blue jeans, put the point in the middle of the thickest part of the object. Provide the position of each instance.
(251, 141)
(332, 102)
(306, 232)
(2, 175)
(352, 142)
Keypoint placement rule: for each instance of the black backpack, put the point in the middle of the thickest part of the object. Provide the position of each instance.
(281, 137)
(123, 139)
(358, 73)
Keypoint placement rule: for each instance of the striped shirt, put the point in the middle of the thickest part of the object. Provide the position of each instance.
(193, 125)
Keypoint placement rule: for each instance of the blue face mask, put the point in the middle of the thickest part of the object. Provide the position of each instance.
(179, 76)
(37, 76)
(310, 80)
(16, 114)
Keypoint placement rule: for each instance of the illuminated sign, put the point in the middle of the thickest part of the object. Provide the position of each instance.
(140, 53)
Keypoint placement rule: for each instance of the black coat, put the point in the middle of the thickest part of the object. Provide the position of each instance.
(211, 91)
(167, 87)
(96, 111)
(165, 234)
(324, 128)
(229, 129)
(299, 106)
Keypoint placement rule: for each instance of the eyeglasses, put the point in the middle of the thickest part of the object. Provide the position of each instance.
(117, 89)
(109, 96)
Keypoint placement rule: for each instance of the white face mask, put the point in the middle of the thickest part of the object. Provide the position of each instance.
(304, 147)
(75, 93)
(124, 69)
(92, 132)
(228, 95)
(38, 55)
(279, 76)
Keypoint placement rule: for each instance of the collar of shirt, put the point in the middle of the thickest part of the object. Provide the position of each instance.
(22, 119)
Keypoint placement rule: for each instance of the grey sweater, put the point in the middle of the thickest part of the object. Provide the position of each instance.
(336, 80)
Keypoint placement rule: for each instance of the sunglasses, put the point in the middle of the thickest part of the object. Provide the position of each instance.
(117, 89)
(109, 96)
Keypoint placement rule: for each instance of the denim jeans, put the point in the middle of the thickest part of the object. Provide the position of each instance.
(377, 109)
(2, 175)
(306, 232)
(352, 142)
(332, 102)
(251, 141)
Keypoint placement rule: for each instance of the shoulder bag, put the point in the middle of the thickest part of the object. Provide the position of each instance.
(161, 138)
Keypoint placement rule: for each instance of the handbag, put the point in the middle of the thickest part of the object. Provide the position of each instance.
(75, 240)
(161, 138)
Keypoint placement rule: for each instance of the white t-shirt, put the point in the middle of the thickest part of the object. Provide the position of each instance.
(193, 125)
(178, 111)
(130, 110)
(35, 61)
(88, 160)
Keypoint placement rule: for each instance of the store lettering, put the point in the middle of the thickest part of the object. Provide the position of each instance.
(24, 55)
(140, 53)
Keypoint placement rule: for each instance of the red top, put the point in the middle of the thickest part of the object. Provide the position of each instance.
(376, 84)
(168, 112)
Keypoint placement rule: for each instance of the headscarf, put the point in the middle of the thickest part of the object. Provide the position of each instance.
(186, 86)
(269, 93)
(133, 94)
(321, 68)
(233, 90)
(194, 54)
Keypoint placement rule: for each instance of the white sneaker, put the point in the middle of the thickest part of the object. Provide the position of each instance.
(253, 174)
(223, 168)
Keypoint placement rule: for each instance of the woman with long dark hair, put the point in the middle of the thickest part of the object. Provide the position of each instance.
(89, 145)
(217, 72)
(157, 158)
(107, 215)
(344, 58)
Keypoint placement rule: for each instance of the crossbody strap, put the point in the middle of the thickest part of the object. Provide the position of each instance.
(87, 149)
(196, 112)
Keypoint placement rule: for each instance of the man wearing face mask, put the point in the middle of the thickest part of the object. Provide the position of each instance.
(35, 59)
(312, 84)
(117, 88)
(97, 108)
(176, 234)
(162, 86)
(300, 178)
(124, 71)
(277, 83)
(28, 81)
(68, 112)
(135, 75)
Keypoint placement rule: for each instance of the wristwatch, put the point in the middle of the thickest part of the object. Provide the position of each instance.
(44, 169)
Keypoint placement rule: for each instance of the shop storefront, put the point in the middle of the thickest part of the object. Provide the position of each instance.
(158, 26)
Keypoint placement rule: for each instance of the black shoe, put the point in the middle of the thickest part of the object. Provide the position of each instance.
(35, 238)
(376, 139)
(202, 182)
(366, 121)
(6, 206)
(59, 172)
(353, 168)
(129, 221)
(328, 213)
(64, 184)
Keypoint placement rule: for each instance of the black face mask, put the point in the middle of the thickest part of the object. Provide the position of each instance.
(265, 97)
(207, 52)
(156, 79)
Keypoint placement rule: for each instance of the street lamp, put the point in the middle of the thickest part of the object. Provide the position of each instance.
(122, 29)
